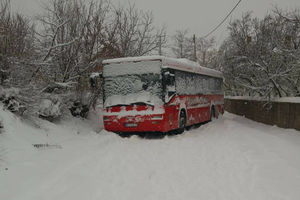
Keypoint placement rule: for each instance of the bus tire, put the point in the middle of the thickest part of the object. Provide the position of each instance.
(182, 121)
(124, 135)
(212, 113)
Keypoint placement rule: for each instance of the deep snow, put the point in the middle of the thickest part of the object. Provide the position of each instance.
(229, 158)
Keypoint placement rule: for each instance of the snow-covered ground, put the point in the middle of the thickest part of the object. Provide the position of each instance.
(230, 158)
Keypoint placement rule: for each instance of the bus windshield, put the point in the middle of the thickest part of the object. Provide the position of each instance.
(130, 89)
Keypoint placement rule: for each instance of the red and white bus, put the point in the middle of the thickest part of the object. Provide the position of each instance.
(159, 94)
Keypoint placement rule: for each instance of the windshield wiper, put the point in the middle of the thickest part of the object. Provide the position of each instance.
(142, 104)
(131, 104)
(117, 105)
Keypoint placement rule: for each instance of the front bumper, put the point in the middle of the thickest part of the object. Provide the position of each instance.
(147, 123)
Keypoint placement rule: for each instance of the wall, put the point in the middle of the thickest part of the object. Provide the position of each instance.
(281, 114)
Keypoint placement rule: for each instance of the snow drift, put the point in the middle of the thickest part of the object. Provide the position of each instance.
(229, 158)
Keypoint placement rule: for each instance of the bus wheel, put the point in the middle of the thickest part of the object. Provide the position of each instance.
(212, 113)
(182, 121)
(124, 135)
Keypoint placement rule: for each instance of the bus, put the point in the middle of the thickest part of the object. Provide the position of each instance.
(159, 94)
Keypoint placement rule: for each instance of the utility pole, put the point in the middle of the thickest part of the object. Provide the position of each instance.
(181, 50)
(159, 45)
(195, 51)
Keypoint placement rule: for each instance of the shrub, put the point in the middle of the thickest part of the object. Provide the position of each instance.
(50, 109)
(79, 109)
(10, 99)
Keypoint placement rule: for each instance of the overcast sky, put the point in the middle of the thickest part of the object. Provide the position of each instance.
(199, 16)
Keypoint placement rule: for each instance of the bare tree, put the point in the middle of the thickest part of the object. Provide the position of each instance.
(72, 37)
(16, 44)
(206, 51)
(180, 44)
(183, 47)
(132, 32)
(17, 49)
(75, 34)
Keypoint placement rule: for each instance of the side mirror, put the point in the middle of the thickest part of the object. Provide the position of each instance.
(100, 74)
(167, 77)
(93, 78)
(92, 82)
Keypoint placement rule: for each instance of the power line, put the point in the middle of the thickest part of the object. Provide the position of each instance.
(223, 20)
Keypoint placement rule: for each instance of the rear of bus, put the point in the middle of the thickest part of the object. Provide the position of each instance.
(133, 96)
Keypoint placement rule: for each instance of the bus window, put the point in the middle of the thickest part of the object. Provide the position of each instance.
(170, 90)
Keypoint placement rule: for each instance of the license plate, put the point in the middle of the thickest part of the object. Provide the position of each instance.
(129, 125)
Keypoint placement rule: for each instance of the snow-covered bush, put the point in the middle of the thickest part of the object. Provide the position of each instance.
(11, 101)
(79, 109)
(50, 109)
(12, 104)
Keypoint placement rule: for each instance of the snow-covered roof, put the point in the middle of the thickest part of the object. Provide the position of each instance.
(173, 63)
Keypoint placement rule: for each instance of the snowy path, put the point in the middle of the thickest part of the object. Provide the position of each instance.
(230, 158)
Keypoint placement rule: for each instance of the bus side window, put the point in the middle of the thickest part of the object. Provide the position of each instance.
(170, 86)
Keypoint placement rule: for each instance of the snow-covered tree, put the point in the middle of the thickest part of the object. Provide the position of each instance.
(206, 51)
(183, 47)
(17, 51)
(71, 37)
(181, 44)
(261, 57)
(16, 45)
(132, 31)
(77, 35)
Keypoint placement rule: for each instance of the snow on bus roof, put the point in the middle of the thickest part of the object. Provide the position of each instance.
(173, 63)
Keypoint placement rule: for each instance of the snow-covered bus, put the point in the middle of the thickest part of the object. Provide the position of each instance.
(159, 94)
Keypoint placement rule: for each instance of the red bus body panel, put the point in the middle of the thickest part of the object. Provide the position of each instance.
(164, 118)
